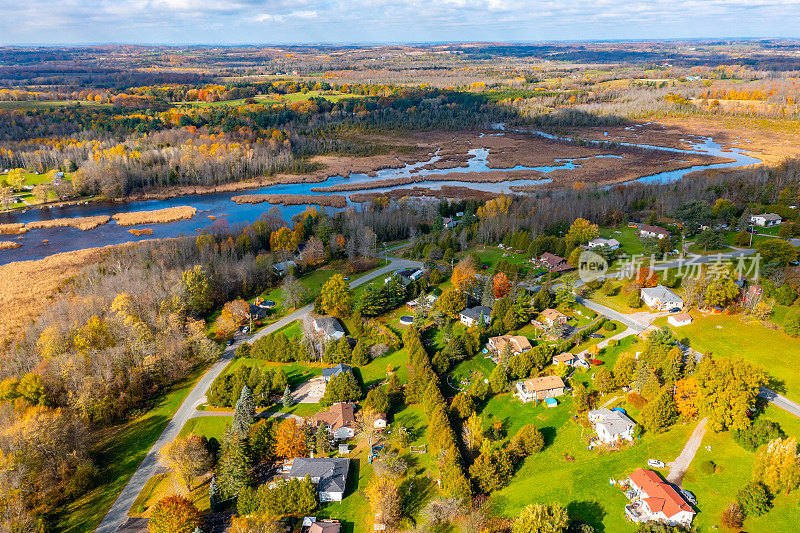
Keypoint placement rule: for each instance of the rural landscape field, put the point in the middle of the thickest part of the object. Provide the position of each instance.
(471, 269)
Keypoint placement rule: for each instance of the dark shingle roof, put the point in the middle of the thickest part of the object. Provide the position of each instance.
(335, 370)
(331, 472)
(475, 312)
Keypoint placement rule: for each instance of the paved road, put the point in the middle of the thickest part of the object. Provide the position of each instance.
(635, 325)
(780, 401)
(118, 513)
(678, 467)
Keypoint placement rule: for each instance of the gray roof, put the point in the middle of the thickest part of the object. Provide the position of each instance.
(329, 325)
(661, 293)
(769, 216)
(335, 370)
(614, 421)
(330, 473)
(475, 312)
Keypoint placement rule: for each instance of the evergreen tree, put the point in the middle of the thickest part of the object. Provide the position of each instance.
(244, 413)
(287, 397)
(487, 296)
(234, 466)
(321, 440)
(498, 380)
(360, 355)
(660, 413)
(213, 494)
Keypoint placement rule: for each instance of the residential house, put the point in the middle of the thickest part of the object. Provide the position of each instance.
(381, 421)
(681, 319)
(540, 388)
(328, 373)
(647, 231)
(517, 343)
(611, 425)
(406, 276)
(328, 474)
(449, 223)
(565, 358)
(327, 327)
(766, 220)
(325, 526)
(611, 243)
(340, 419)
(655, 499)
(283, 268)
(550, 317)
(661, 298)
(554, 263)
(470, 316)
(424, 302)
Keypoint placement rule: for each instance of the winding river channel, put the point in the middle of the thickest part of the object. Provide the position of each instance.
(39, 243)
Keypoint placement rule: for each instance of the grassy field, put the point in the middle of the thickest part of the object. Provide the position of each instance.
(628, 238)
(775, 351)
(31, 104)
(734, 469)
(120, 452)
(206, 426)
(567, 473)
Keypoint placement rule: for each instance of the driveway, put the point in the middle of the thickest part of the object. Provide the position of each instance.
(118, 514)
(309, 392)
(678, 467)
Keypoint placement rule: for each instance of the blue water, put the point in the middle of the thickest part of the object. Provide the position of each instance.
(227, 212)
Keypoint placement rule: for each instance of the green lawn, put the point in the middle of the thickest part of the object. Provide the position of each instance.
(567, 473)
(491, 255)
(206, 426)
(119, 453)
(775, 351)
(734, 470)
(297, 372)
(271, 99)
(628, 238)
(49, 103)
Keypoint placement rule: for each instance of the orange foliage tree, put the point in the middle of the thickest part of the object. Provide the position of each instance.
(686, 391)
(646, 277)
(500, 285)
(174, 514)
(289, 441)
(464, 275)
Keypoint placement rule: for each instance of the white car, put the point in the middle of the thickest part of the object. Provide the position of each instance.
(655, 463)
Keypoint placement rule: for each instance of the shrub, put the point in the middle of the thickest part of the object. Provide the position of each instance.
(527, 441)
(791, 324)
(174, 514)
(732, 517)
(785, 295)
(634, 300)
(636, 400)
(707, 468)
(609, 326)
(754, 499)
(760, 432)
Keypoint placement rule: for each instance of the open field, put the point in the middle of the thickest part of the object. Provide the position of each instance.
(272, 99)
(773, 350)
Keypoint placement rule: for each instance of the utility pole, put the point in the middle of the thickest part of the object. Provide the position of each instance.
(752, 229)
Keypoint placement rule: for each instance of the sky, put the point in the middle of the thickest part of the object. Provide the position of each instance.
(387, 21)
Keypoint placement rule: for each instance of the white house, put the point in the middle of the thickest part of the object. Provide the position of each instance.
(565, 358)
(681, 319)
(540, 388)
(611, 426)
(661, 298)
(611, 243)
(766, 220)
(647, 231)
(655, 499)
(329, 474)
(380, 421)
(469, 317)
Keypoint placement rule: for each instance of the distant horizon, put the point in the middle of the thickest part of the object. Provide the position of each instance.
(367, 22)
(397, 43)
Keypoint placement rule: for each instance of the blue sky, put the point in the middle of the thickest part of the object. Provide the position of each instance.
(364, 21)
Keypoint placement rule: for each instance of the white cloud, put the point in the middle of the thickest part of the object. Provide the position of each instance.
(268, 17)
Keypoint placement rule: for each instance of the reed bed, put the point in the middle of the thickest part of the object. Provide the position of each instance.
(331, 200)
(159, 216)
(82, 223)
(14, 228)
(9, 245)
(140, 232)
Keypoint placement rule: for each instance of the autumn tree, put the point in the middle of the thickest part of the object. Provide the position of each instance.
(292, 291)
(528, 440)
(728, 387)
(334, 297)
(314, 252)
(365, 425)
(646, 277)
(451, 303)
(581, 231)
(197, 290)
(384, 499)
(732, 516)
(463, 277)
(776, 465)
(500, 285)
(686, 392)
(174, 514)
(541, 518)
(188, 457)
(289, 440)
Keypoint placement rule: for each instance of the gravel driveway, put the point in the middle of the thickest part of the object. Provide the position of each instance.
(678, 467)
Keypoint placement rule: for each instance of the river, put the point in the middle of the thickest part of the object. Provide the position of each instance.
(40, 243)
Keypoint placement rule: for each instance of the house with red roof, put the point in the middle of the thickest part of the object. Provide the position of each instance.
(652, 498)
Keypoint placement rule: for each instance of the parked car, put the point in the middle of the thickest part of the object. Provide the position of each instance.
(246, 329)
(230, 341)
(689, 496)
(655, 463)
(675, 310)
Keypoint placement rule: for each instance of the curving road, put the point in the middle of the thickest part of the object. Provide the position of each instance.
(118, 514)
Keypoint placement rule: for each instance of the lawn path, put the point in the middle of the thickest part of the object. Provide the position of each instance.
(118, 514)
(678, 467)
